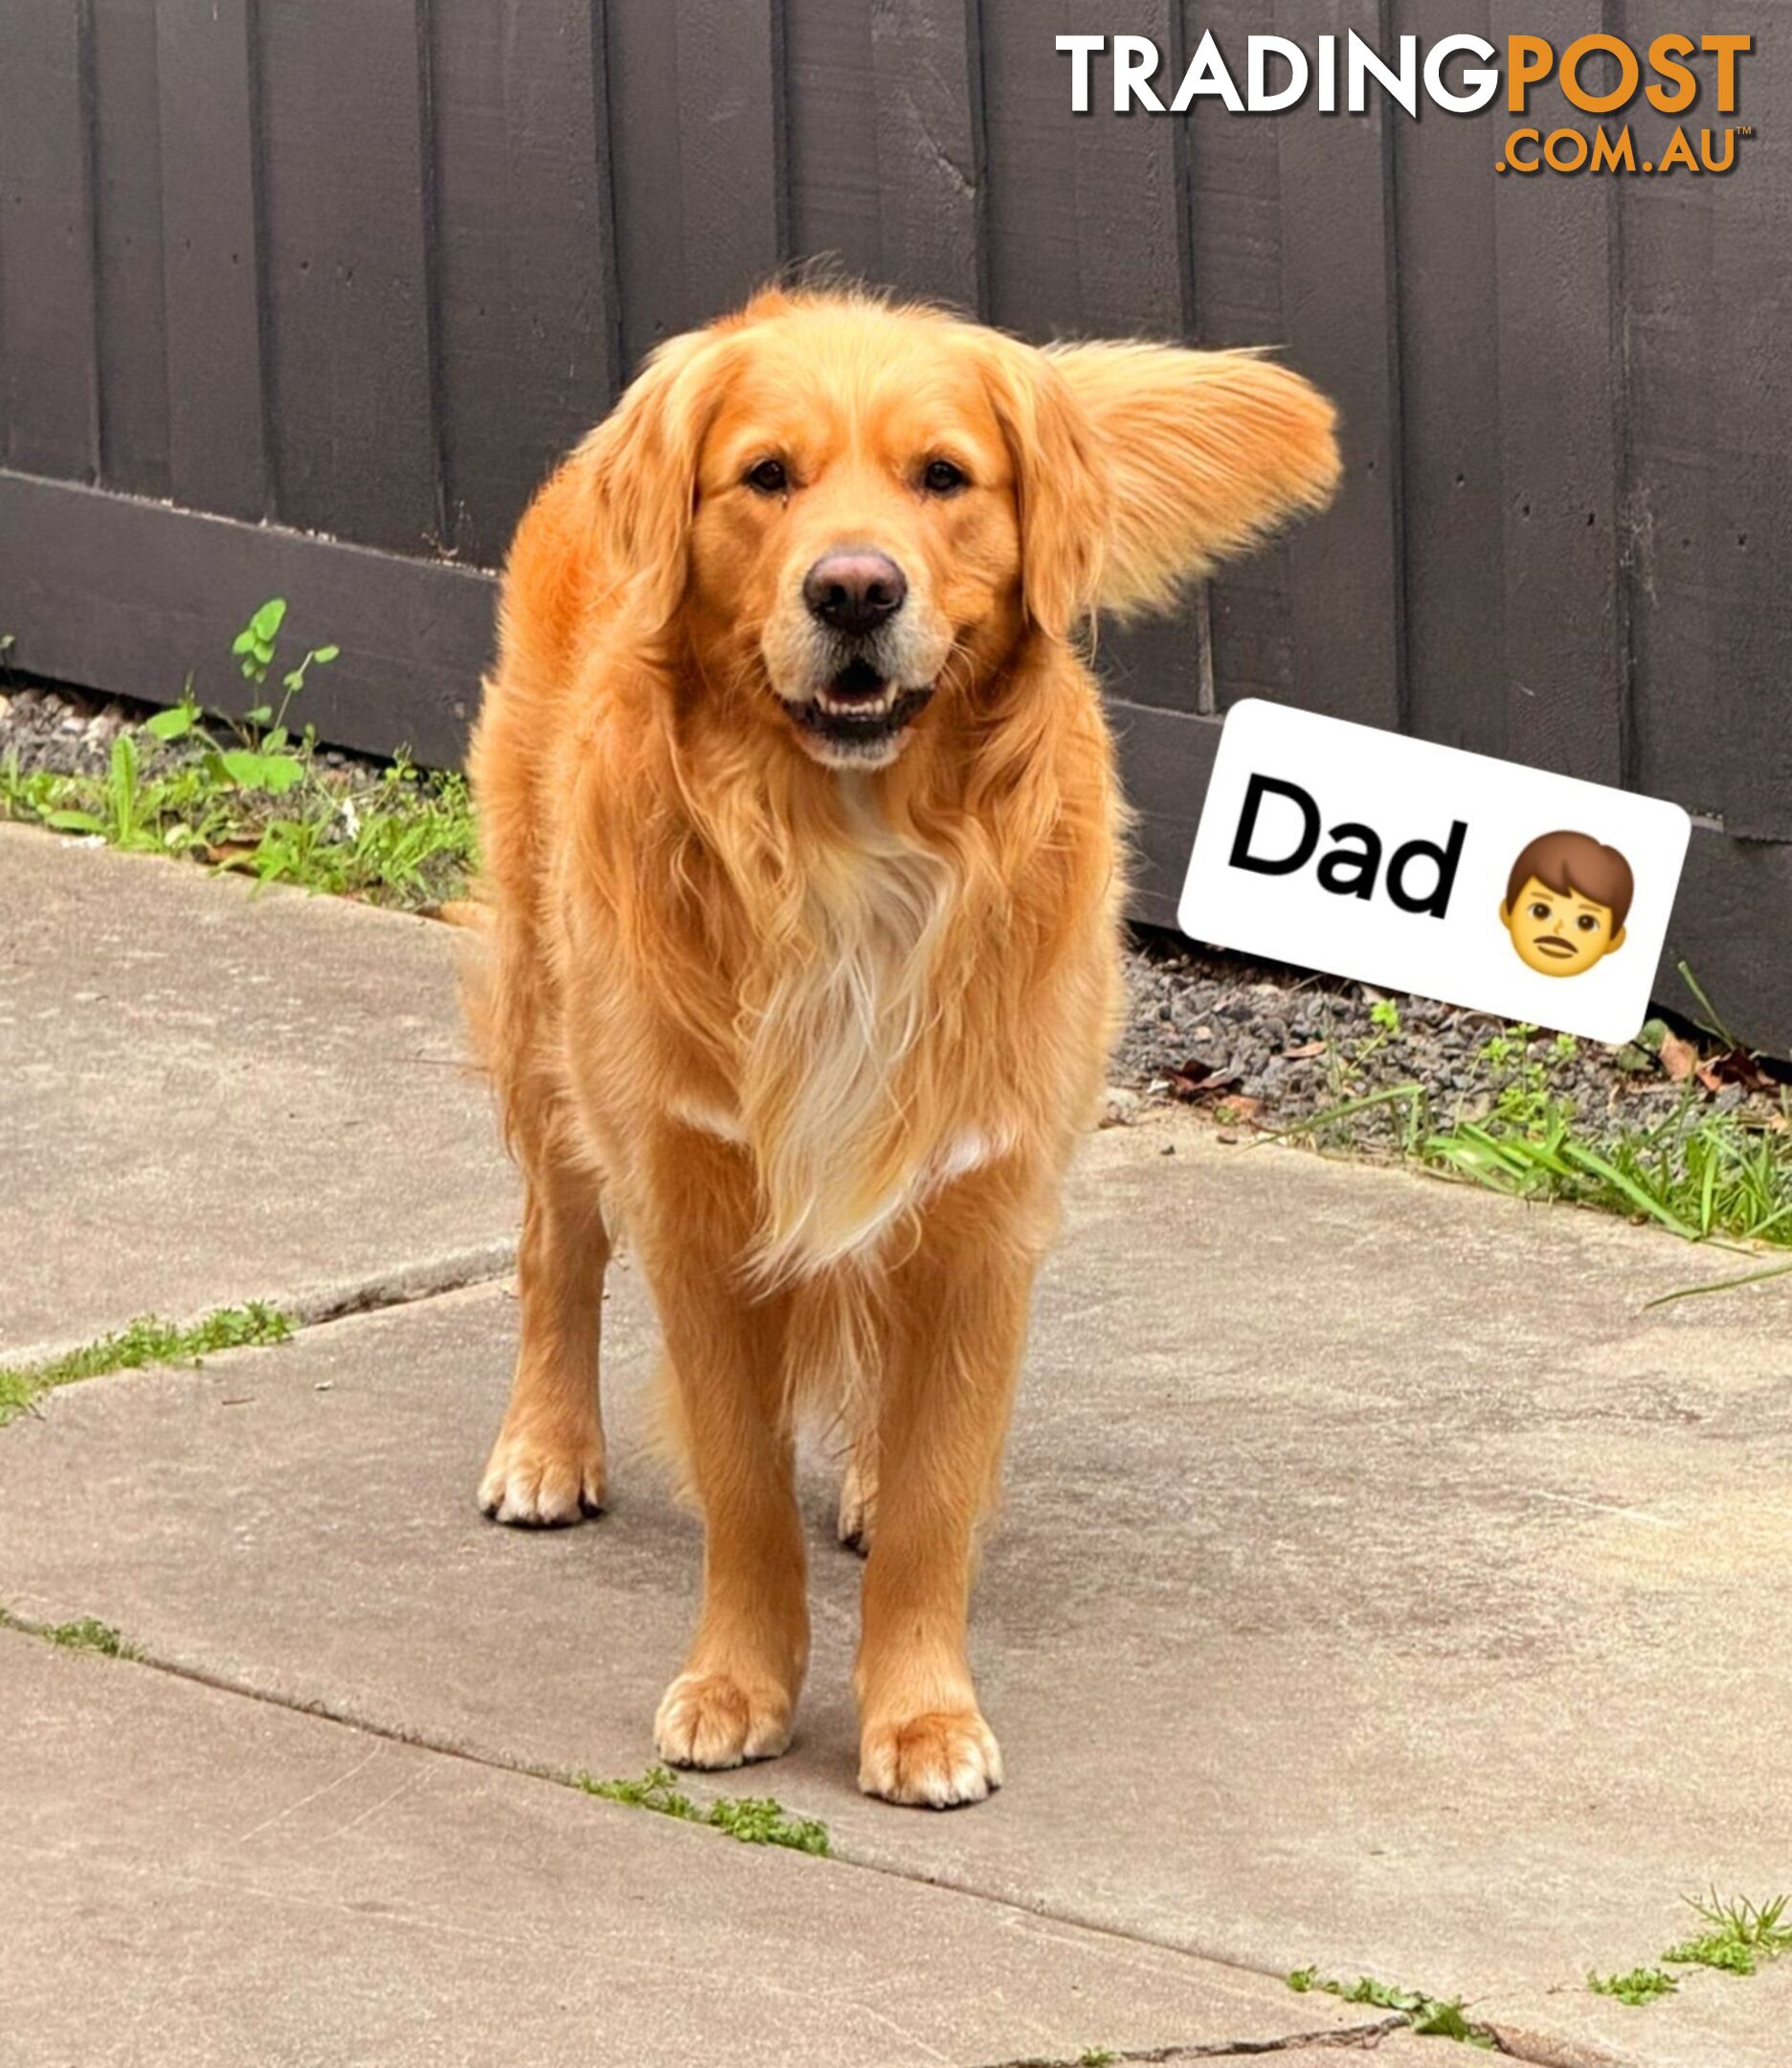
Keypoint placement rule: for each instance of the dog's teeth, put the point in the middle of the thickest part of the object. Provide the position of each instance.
(857, 707)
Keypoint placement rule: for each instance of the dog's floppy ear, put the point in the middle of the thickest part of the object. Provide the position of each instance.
(640, 466)
(1060, 485)
(1206, 451)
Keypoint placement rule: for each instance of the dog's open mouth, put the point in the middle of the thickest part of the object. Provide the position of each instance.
(859, 709)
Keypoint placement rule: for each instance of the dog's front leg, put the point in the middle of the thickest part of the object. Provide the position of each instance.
(547, 1464)
(957, 1324)
(737, 1697)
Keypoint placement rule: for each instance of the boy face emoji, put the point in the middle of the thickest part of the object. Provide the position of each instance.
(1565, 903)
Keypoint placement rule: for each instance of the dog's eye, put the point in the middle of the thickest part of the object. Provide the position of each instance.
(939, 477)
(769, 478)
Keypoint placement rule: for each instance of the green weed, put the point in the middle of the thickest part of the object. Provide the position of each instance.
(1641, 1986)
(248, 795)
(759, 1820)
(146, 1340)
(1345, 1065)
(1738, 1934)
(87, 1634)
(750, 1820)
(1434, 2017)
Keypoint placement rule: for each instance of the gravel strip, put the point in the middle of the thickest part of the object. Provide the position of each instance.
(1270, 1046)
(68, 733)
(60, 730)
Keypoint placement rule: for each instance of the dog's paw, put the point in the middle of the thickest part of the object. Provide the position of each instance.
(941, 1757)
(710, 1719)
(542, 1482)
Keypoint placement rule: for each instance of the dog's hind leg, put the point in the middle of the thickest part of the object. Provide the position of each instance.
(858, 1486)
(548, 1465)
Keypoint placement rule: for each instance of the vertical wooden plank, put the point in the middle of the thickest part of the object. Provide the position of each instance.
(1339, 317)
(1735, 902)
(831, 136)
(210, 257)
(568, 337)
(1708, 512)
(700, 186)
(48, 330)
(1675, 449)
(1133, 280)
(525, 250)
(1086, 213)
(649, 200)
(1741, 746)
(1292, 238)
(731, 165)
(127, 205)
(348, 198)
(470, 147)
(929, 147)
(1453, 480)
(1233, 178)
(1566, 658)
(1086, 223)
(1131, 200)
(1031, 208)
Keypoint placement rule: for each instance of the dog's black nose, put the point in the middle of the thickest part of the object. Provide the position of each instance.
(854, 590)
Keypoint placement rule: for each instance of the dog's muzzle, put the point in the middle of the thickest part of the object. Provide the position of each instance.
(866, 694)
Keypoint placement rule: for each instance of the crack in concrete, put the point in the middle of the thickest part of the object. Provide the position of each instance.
(406, 1285)
(1357, 2038)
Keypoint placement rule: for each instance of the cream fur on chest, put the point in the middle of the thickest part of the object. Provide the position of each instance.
(846, 1102)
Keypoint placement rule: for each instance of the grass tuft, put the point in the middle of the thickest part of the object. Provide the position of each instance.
(1738, 1934)
(1705, 1171)
(400, 838)
(748, 1819)
(146, 1340)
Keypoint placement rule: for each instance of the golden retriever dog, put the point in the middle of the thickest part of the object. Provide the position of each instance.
(802, 851)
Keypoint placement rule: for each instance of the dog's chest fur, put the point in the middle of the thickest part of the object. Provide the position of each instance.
(847, 1105)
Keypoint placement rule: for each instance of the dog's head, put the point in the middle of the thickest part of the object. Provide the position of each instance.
(857, 508)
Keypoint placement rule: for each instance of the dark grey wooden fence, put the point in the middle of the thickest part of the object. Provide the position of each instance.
(305, 296)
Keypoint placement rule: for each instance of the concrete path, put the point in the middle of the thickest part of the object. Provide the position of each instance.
(211, 1093)
(1382, 1587)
